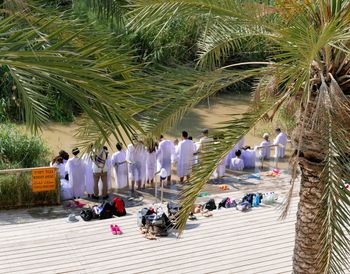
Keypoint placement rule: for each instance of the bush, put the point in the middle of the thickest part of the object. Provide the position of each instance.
(18, 150)
(15, 191)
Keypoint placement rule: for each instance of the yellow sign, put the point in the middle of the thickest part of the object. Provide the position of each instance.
(44, 179)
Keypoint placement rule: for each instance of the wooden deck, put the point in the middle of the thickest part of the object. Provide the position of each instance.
(228, 242)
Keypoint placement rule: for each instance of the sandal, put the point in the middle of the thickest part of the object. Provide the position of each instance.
(143, 230)
(150, 236)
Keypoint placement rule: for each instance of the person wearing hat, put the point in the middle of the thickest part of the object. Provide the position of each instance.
(75, 168)
(280, 140)
(120, 167)
(265, 151)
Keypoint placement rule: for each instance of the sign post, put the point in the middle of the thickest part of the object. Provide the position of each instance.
(44, 179)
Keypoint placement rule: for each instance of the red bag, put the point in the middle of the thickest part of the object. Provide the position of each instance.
(119, 207)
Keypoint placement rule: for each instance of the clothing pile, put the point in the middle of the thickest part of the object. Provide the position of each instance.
(153, 222)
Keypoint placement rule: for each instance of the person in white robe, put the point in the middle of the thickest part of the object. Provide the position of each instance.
(248, 157)
(280, 140)
(265, 151)
(89, 175)
(165, 155)
(66, 188)
(237, 163)
(185, 152)
(220, 170)
(204, 139)
(136, 157)
(76, 172)
(232, 153)
(174, 154)
(151, 164)
(120, 167)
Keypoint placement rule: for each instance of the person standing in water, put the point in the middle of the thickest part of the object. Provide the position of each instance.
(280, 140)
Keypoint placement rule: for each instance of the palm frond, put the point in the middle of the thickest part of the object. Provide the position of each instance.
(215, 152)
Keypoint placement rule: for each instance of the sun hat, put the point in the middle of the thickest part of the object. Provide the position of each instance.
(72, 219)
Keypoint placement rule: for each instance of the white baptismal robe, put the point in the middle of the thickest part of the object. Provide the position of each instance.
(76, 172)
(248, 157)
(232, 153)
(165, 152)
(265, 151)
(89, 175)
(237, 164)
(137, 168)
(281, 139)
(185, 150)
(151, 165)
(120, 169)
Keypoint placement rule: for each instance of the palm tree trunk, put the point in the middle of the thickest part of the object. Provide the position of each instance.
(309, 141)
(308, 231)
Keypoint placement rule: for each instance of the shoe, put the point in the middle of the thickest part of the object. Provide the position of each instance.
(93, 196)
(113, 230)
(118, 230)
(105, 197)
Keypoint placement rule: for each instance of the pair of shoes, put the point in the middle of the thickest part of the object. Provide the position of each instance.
(115, 229)
(93, 196)
(105, 197)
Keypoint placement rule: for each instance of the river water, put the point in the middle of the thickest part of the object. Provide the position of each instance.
(208, 114)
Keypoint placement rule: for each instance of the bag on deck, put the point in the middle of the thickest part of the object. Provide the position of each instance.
(86, 214)
(119, 207)
(210, 205)
(106, 210)
(223, 202)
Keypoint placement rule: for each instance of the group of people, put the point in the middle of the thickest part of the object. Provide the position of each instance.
(139, 163)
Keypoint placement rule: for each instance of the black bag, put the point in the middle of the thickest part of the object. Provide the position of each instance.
(210, 205)
(86, 214)
(106, 210)
(223, 203)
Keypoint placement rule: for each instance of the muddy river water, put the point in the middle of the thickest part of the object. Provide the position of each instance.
(208, 114)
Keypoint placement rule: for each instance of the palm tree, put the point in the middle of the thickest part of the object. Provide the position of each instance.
(44, 51)
(308, 67)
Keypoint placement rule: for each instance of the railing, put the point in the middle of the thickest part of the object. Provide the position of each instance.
(16, 189)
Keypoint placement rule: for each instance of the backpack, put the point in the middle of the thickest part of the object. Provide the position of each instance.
(119, 207)
(210, 205)
(223, 202)
(86, 214)
(106, 210)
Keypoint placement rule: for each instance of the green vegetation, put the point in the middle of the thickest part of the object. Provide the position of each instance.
(15, 191)
(18, 150)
